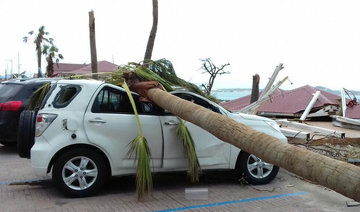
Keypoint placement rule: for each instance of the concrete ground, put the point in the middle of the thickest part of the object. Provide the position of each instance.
(21, 190)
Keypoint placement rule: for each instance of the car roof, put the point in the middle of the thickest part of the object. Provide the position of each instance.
(29, 80)
(80, 81)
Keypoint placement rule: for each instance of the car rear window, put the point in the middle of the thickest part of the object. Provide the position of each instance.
(9, 91)
(66, 95)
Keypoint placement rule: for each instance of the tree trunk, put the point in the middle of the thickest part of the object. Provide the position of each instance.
(337, 175)
(151, 40)
(255, 88)
(50, 67)
(39, 60)
(93, 44)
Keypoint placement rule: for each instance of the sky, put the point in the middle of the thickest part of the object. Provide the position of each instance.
(318, 41)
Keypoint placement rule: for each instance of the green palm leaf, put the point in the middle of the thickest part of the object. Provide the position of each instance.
(189, 147)
(38, 96)
(140, 148)
(166, 71)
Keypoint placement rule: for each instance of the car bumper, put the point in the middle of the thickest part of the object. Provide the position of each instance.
(40, 156)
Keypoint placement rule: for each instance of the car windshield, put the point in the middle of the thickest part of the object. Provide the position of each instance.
(7, 91)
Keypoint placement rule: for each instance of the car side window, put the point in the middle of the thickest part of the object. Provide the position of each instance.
(110, 100)
(66, 95)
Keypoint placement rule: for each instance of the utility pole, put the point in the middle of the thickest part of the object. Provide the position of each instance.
(11, 71)
(93, 44)
(7, 69)
(19, 64)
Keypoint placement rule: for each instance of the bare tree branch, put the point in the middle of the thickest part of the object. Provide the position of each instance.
(209, 67)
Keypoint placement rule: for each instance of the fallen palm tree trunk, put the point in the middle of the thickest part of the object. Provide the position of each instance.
(337, 175)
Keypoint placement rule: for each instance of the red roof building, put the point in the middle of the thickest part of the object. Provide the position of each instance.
(353, 112)
(288, 103)
(63, 69)
(67, 67)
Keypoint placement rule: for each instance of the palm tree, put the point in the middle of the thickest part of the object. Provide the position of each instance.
(151, 40)
(337, 175)
(52, 53)
(340, 176)
(40, 40)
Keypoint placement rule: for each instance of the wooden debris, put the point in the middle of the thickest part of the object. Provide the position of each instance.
(309, 128)
(344, 122)
(295, 134)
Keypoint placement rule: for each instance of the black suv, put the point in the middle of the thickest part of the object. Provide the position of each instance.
(14, 98)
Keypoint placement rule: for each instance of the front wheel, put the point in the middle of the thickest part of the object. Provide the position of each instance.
(255, 170)
(80, 172)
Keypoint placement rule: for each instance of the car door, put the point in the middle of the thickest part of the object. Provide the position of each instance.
(211, 152)
(111, 124)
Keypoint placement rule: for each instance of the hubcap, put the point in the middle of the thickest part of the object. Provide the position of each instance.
(258, 168)
(79, 173)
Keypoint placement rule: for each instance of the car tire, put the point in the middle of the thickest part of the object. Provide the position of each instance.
(256, 171)
(26, 133)
(85, 169)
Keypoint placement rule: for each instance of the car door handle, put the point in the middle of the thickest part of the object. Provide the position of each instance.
(170, 123)
(97, 120)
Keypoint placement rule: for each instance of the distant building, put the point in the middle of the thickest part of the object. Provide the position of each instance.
(353, 111)
(66, 69)
(291, 103)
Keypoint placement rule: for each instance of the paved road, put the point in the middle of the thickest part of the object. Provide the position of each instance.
(21, 190)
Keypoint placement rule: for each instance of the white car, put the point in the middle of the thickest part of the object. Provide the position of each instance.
(84, 128)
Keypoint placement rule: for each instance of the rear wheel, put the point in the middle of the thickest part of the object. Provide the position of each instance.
(26, 133)
(80, 172)
(255, 170)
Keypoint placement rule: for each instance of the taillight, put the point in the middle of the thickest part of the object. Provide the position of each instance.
(43, 121)
(10, 106)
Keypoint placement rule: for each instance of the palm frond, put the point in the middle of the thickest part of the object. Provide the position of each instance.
(116, 78)
(140, 149)
(125, 86)
(147, 75)
(38, 96)
(189, 147)
(160, 70)
(166, 71)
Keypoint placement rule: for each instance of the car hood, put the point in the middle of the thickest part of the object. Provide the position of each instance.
(259, 123)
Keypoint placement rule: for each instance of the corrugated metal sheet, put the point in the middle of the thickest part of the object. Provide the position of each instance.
(353, 112)
(287, 102)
